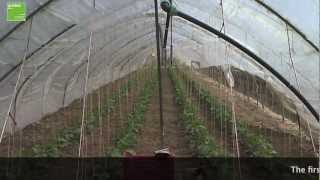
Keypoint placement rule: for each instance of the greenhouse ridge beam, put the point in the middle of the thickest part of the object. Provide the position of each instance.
(166, 6)
(288, 23)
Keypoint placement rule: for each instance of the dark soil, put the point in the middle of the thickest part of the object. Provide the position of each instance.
(221, 131)
(281, 132)
(256, 88)
(175, 137)
(98, 142)
(20, 143)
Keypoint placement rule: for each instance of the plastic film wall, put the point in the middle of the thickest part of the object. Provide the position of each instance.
(124, 37)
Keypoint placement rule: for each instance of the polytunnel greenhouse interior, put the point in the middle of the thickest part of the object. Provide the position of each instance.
(217, 89)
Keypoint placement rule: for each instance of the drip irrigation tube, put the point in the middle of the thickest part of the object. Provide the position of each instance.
(167, 7)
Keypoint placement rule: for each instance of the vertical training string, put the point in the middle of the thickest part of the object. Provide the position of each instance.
(100, 123)
(290, 57)
(296, 79)
(222, 14)
(18, 80)
(235, 123)
(85, 97)
(230, 80)
(171, 42)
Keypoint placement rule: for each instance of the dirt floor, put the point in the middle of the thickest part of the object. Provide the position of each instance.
(102, 139)
(175, 137)
(221, 131)
(282, 133)
(21, 142)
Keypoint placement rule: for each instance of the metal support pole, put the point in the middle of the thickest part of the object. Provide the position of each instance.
(167, 29)
(162, 51)
(164, 57)
(159, 70)
(171, 46)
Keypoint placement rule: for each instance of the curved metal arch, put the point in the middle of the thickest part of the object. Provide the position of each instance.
(274, 12)
(167, 7)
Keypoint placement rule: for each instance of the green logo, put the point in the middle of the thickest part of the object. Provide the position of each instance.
(16, 11)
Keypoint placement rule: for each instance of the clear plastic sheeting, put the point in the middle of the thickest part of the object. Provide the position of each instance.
(124, 36)
(54, 76)
(267, 36)
(302, 14)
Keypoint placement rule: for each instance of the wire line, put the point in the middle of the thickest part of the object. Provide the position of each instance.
(17, 82)
(85, 97)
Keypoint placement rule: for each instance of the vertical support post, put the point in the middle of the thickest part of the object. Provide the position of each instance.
(159, 69)
(162, 49)
(171, 46)
(164, 57)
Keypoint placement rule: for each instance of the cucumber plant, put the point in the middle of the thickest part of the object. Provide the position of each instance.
(128, 136)
(71, 135)
(200, 137)
(258, 145)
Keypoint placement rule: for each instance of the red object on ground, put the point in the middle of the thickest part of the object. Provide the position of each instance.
(159, 167)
